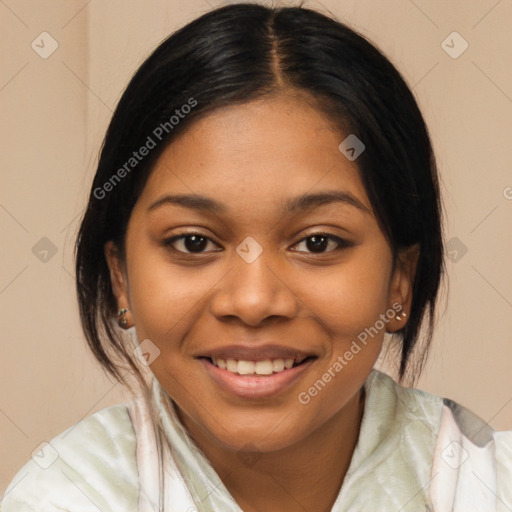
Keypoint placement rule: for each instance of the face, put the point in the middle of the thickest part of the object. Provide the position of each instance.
(267, 285)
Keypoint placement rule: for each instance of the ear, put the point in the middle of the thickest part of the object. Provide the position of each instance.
(401, 286)
(118, 276)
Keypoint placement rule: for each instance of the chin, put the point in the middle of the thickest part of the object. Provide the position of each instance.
(262, 431)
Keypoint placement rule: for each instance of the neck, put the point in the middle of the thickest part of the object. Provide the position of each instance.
(304, 476)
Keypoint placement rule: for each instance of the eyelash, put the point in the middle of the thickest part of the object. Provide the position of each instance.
(341, 243)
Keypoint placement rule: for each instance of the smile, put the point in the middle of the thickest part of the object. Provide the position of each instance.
(265, 367)
(255, 379)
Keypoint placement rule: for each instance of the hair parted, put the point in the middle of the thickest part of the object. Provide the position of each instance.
(236, 54)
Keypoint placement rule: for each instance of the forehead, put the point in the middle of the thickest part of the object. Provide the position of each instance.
(256, 154)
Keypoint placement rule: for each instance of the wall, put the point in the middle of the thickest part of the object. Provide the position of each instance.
(55, 111)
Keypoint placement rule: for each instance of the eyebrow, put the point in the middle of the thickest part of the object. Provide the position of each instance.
(297, 204)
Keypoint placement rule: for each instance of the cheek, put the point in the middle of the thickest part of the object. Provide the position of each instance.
(345, 299)
(351, 298)
(164, 298)
(348, 304)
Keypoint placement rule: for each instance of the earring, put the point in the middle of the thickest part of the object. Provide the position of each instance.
(121, 317)
(401, 316)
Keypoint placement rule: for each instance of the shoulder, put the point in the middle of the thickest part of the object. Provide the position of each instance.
(483, 454)
(89, 466)
(464, 460)
(504, 467)
(471, 462)
(406, 405)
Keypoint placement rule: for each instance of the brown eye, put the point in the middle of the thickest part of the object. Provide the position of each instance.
(188, 243)
(320, 242)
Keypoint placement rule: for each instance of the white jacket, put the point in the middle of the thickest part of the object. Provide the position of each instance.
(416, 453)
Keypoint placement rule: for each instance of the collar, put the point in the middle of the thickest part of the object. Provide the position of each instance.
(395, 447)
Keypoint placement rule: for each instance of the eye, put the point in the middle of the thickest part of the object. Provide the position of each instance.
(319, 242)
(197, 243)
(188, 243)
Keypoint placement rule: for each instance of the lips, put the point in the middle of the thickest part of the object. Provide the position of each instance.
(253, 372)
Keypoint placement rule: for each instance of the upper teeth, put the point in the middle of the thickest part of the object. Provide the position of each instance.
(242, 367)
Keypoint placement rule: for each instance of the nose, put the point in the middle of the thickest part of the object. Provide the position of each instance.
(254, 292)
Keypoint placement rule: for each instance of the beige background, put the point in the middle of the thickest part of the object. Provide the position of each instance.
(55, 111)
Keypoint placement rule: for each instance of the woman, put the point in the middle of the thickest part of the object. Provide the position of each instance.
(265, 210)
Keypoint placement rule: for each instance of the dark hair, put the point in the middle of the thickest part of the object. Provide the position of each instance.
(236, 54)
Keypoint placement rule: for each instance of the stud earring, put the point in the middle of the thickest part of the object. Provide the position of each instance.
(401, 316)
(121, 317)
